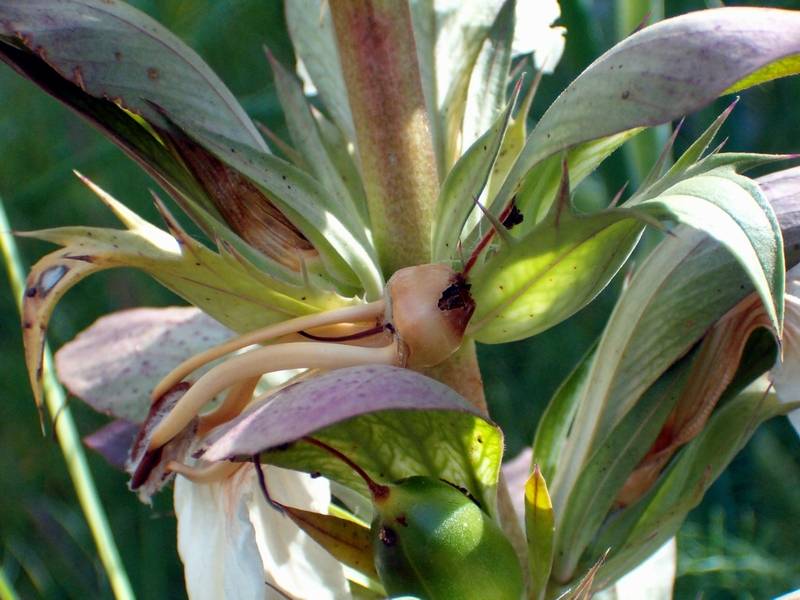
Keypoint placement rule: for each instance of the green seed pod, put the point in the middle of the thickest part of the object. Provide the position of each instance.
(433, 542)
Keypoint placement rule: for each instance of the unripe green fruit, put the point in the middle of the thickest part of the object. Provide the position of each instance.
(433, 542)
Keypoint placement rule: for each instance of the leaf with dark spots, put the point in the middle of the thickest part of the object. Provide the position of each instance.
(247, 210)
(225, 285)
(660, 74)
(115, 364)
(120, 126)
(144, 145)
(114, 51)
(383, 418)
(47, 282)
(113, 441)
(337, 233)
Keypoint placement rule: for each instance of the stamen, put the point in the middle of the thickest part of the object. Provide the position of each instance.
(236, 400)
(362, 312)
(214, 472)
(296, 355)
(359, 335)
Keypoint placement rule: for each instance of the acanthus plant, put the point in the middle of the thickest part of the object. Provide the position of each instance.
(414, 213)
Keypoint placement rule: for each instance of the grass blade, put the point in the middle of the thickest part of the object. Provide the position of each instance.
(68, 438)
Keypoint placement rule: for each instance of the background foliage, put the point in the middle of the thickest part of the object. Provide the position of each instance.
(737, 544)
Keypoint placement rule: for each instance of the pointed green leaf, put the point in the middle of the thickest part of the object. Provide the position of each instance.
(307, 141)
(607, 470)
(540, 532)
(225, 286)
(554, 426)
(392, 422)
(549, 274)
(698, 148)
(311, 30)
(657, 517)
(141, 143)
(343, 155)
(661, 73)
(731, 209)
(682, 288)
(513, 142)
(539, 189)
(486, 93)
(336, 233)
(464, 185)
(112, 50)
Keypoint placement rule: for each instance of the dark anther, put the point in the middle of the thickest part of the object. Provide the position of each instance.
(456, 295)
(514, 217)
(387, 536)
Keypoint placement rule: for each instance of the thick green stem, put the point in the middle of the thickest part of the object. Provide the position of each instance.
(398, 164)
(69, 438)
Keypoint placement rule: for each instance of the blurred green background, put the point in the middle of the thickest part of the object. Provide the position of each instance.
(742, 542)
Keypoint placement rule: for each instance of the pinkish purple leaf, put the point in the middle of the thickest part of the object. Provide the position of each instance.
(115, 364)
(112, 50)
(113, 441)
(392, 422)
(661, 73)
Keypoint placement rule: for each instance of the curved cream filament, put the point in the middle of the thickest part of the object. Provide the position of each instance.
(362, 312)
(295, 355)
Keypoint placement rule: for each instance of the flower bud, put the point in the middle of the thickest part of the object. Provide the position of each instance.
(432, 541)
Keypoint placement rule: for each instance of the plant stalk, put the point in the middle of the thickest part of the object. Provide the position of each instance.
(68, 438)
(398, 164)
(7, 591)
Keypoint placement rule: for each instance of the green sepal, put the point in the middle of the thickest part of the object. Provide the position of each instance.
(539, 531)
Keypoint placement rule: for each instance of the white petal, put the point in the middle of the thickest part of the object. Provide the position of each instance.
(231, 541)
(533, 32)
(293, 561)
(653, 579)
(217, 543)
